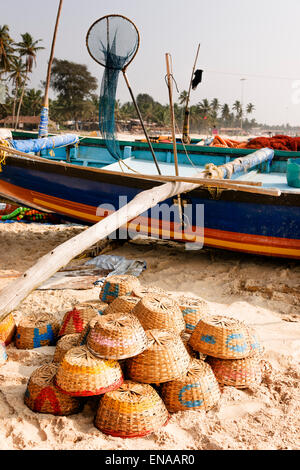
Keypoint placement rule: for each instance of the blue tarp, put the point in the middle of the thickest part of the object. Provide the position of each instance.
(36, 145)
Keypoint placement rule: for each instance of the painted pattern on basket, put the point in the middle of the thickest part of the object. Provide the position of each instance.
(159, 312)
(75, 320)
(166, 358)
(3, 353)
(82, 374)
(117, 336)
(193, 310)
(42, 396)
(7, 329)
(117, 286)
(239, 373)
(197, 389)
(133, 410)
(36, 330)
(221, 337)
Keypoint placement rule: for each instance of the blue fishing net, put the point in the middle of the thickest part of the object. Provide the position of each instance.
(112, 41)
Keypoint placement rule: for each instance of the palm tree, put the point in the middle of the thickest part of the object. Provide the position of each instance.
(250, 108)
(6, 50)
(215, 105)
(204, 107)
(27, 48)
(225, 113)
(17, 76)
(237, 107)
(33, 100)
(183, 97)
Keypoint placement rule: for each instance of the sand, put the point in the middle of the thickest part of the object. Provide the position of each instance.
(262, 292)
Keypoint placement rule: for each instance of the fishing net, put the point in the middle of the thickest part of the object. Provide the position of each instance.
(113, 42)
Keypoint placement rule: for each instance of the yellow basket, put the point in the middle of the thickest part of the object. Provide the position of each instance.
(222, 337)
(117, 286)
(197, 389)
(43, 397)
(7, 329)
(81, 374)
(37, 330)
(159, 312)
(133, 410)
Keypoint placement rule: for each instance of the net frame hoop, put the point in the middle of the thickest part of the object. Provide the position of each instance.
(111, 16)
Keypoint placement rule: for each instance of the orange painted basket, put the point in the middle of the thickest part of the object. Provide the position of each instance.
(133, 410)
(7, 329)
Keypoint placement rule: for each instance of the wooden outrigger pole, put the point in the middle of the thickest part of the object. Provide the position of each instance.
(170, 88)
(43, 127)
(186, 127)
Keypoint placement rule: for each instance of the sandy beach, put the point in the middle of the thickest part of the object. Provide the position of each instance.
(262, 292)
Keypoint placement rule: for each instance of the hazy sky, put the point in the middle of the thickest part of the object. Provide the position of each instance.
(254, 39)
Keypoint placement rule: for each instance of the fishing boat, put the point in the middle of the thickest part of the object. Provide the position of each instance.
(233, 219)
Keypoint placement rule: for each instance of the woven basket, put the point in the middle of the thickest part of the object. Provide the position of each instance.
(3, 353)
(222, 337)
(239, 373)
(42, 396)
(141, 291)
(82, 374)
(37, 330)
(134, 410)
(165, 359)
(123, 304)
(193, 310)
(7, 329)
(85, 332)
(198, 389)
(64, 344)
(185, 339)
(255, 343)
(117, 336)
(159, 312)
(76, 320)
(117, 286)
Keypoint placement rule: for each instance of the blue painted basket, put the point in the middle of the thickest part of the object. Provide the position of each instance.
(37, 330)
(222, 337)
(198, 389)
(117, 286)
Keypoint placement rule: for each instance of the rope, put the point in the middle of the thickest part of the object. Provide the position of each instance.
(3, 154)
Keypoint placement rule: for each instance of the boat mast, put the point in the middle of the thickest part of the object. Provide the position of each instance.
(43, 128)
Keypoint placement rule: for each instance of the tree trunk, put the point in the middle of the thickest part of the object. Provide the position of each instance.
(21, 100)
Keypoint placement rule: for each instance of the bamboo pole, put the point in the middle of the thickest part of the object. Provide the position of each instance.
(185, 131)
(46, 96)
(141, 120)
